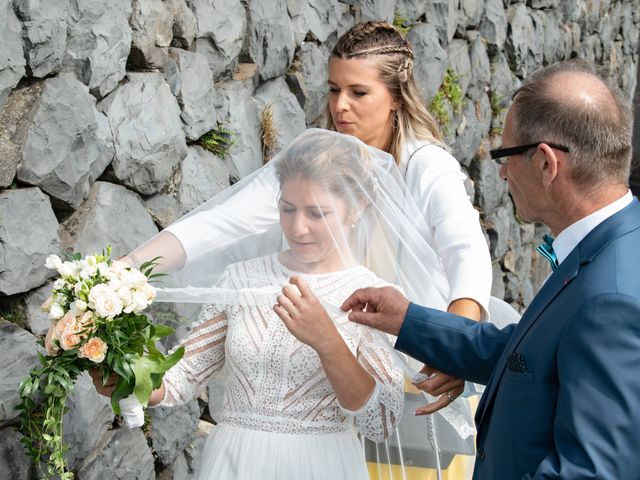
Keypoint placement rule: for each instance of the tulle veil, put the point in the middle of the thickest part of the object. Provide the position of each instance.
(385, 232)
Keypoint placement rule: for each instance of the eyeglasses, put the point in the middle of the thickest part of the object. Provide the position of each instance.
(501, 155)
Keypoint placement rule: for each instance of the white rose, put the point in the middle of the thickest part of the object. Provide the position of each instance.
(59, 284)
(106, 301)
(133, 278)
(67, 269)
(114, 282)
(150, 291)
(76, 308)
(56, 311)
(125, 295)
(87, 271)
(140, 301)
(53, 262)
(118, 266)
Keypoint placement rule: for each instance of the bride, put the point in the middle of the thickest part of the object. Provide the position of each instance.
(301, 377)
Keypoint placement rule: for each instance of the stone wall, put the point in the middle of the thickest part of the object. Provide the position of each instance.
(102, 110)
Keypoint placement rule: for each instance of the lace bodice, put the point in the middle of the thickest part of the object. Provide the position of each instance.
(276, 383)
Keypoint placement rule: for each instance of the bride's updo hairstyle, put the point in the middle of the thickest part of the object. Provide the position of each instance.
(392, 55)
(338, 163)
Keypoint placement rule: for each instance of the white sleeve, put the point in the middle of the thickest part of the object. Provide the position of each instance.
(221, 224)
(454, 224)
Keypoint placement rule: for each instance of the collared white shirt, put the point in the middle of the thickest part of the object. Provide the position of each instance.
(571, 236)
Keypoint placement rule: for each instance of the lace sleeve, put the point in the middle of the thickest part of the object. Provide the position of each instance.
(203, 358)
(377, 418)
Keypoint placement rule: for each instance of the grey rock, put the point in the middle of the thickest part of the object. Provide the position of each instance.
(320, 17)
(191, 81)
(411, 9)
(288, 119)
(91, 227)
(18, 355)
(98, 43)
(498, 227)
(524, 45)
(491, 189)
(376, 10)
(12, 60)
(177, 470)
(470, 13)
(431, 59)
(501, 89)
(627, 28)
(123, 455)
(15, 122)
(459, 61)
(493, 25)
(185, 24)
(172, 429)
(14, 461)
(37, 320)
(193, 452)
(151, 34)
(480, 66)
(497, 281)
(221, 28)
(527, 233)
(238, 112)
(545, 4)
(87, 420)
(145, 120)
(27, 236)
(474, 125)
(68, 142)
(268, 24)
(443, 15)
(308, 80)
(164, 208)
(44, 34)
(203, 176)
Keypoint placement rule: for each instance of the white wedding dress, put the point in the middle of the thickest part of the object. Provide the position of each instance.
(281, 419)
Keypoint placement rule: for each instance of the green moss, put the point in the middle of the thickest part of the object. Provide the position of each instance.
(401, 23)
(450, 93)
(218, 141)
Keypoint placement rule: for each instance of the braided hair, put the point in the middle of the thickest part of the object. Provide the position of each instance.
(393, 56)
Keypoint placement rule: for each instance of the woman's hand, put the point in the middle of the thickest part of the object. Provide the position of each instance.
(305, 317)
(440, 384)
(109, 387)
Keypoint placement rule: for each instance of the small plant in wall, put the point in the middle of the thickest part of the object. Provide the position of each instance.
(449, 95)
(218, 141)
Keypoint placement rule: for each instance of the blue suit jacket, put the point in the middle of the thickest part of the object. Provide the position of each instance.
(568, 404)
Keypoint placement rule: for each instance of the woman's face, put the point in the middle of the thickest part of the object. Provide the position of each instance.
(316, 224)
(360, 103)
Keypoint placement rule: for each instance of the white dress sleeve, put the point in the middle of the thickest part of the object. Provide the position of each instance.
(436, 182)
(203, 358)
(221, 224)
(379, 416)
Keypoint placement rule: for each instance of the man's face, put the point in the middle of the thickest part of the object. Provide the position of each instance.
(521, 176)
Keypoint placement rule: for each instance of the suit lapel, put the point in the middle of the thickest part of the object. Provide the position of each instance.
(626, 220)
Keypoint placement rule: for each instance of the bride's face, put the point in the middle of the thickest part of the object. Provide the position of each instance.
(316, 224)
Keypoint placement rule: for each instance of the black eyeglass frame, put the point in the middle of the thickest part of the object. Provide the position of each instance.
(500, 153)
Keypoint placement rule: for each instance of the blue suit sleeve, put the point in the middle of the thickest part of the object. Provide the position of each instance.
(597, 420)
(452, 344)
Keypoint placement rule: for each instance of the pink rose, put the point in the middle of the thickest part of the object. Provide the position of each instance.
(95, 350)
(67, 331)
(50, 346)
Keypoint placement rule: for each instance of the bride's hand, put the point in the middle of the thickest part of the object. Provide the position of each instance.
(304, 315)
(441, 385)
(108, 388)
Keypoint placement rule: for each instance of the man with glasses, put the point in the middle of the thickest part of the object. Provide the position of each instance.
(562, 388)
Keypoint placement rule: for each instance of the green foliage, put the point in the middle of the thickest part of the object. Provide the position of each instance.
(497, 110)
(13, 311)
(218, 141)
(401, 23)
(449, 94)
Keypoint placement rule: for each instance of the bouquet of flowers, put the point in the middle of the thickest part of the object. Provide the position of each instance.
(96, 322)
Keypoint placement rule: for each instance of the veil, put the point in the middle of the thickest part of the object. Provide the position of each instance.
(327, 202)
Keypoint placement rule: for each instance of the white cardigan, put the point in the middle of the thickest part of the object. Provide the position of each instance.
(435, 181)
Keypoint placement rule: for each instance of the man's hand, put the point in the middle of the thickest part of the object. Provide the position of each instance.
(381, 308)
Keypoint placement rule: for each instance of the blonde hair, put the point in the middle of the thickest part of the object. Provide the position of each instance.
(393, 57)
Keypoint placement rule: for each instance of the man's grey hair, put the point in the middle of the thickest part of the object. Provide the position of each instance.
(597, 132)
